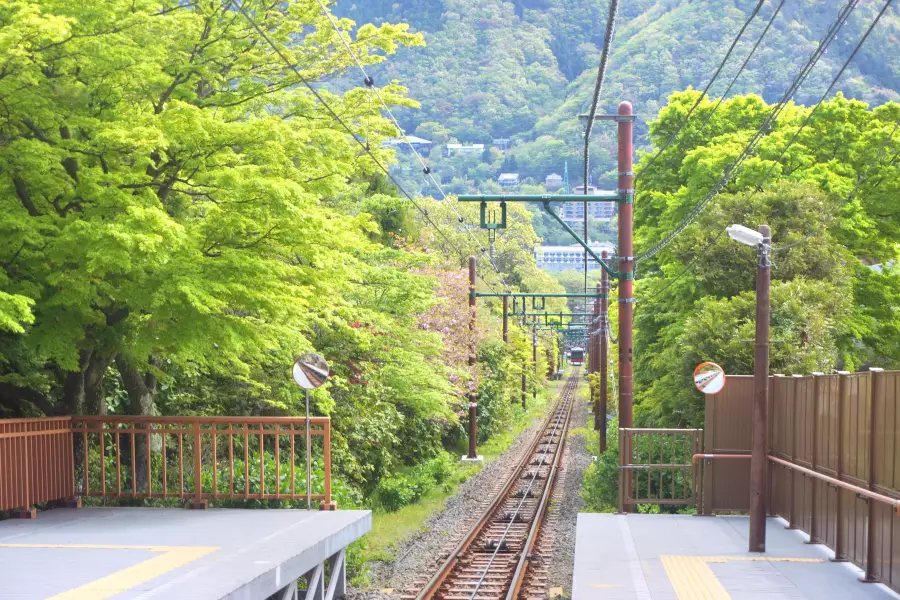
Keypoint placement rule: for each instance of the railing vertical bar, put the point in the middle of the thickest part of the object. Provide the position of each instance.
(277, 463)
(246, 461)
(844, 391)
(198, 468)
(118, 462)
(293, 462)
(262, 463)
(876, 389)
(102, 459)
(215, 461)
(149, 440)
(134, 488)
(327, 458)
(84, 451)
(231, 460)
(165, 486)
(180, 461)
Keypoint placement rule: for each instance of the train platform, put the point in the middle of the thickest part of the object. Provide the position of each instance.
(171, 553)
(683, 557)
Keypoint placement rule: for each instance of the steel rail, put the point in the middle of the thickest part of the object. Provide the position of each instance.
(551, 425)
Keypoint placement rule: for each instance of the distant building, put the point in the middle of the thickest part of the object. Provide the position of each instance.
(464, 149)
(508, 179)
(502, 144)
(574, 211)
(564, 258)
(553, 182)
(400, 143)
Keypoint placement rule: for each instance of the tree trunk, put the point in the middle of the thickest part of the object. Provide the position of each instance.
(141, 388)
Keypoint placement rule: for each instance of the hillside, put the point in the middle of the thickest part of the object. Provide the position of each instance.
(525, 69)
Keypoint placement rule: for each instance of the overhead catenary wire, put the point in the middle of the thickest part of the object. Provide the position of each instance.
(743, 66)
(762, 131)
(426, 169)
(592, 113)
(703, 94)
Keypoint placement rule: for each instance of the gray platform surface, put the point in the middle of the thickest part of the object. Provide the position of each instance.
(170, 553)
(682, 557)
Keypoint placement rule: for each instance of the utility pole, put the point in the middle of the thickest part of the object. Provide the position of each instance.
(626, 267)
(506, 318)
(604, 349)
(758, 460)
(593, 349)
(534, 360)
(473, 404)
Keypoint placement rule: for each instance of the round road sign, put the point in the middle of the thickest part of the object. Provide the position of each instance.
(310, 371)
(709, 378)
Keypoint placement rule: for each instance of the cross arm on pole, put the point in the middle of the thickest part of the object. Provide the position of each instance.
(598, 196)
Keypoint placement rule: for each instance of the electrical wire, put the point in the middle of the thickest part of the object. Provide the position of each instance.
(598, 88)
(743, 66)
(763, 130)
(293, 67)
(712, 80)
(370, 83)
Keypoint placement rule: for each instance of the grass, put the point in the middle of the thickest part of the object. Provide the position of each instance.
(389, 530)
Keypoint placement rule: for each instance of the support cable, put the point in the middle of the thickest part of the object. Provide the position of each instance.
(598, 88)
(703, 94)
(765, 127)
(293, 67)
(370, 83)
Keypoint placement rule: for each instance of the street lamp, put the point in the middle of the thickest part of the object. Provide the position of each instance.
(758, 460)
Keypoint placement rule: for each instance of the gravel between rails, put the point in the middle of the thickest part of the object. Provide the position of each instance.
(421, 554)
(576, 459)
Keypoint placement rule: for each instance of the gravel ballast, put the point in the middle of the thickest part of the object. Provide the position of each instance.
(420, 555)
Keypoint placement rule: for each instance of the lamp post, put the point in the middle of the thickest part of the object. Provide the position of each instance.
(758, 461)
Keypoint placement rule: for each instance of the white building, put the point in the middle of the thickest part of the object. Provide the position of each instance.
(508, 179)
(563, 258)
(464, 149)
(573, 212)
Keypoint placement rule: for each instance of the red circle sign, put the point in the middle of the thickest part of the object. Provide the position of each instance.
(709, 378)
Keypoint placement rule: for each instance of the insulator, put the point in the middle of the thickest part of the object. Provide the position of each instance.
(427, 170)
(460, 219)
(369, 81)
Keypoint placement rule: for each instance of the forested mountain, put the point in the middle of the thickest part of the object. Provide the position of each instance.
(526, 68)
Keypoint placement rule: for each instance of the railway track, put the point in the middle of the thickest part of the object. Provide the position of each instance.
(502, 556)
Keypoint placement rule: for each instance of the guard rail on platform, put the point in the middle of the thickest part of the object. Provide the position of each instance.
(192, 458)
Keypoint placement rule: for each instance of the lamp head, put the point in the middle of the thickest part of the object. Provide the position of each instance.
(745, 235)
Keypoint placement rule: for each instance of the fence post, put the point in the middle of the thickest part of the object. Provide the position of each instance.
(199, 502)
(839, 555)
(327, 504)
(795, 407)
(876, 389)
(817, 389)
(622, 451)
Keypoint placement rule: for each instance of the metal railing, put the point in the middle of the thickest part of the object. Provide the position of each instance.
(659, 461)
(196, 459)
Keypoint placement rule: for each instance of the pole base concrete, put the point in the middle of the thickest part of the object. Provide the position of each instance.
(477, 459)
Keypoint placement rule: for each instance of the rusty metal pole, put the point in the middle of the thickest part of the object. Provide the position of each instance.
(524, 387)
(505, 318)
(604, 350)
(593, 346)
(473, 404)
(758, 460)
(534, 361)
(626, 265)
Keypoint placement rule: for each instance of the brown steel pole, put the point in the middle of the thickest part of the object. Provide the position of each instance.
(604, 349)
(593, 346)
(505, 318)
(626, 266)
(473, 405)
(758, 460)
(534, 360)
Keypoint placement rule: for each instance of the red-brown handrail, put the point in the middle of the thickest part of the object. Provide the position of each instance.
(814, 474)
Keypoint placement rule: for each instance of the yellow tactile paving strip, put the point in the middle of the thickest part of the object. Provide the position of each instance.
(694, 580)
(170, 558)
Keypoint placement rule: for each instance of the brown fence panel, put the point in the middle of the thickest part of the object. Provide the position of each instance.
(886, 476)
(203, 458)
(728, 428)
(35, 462)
